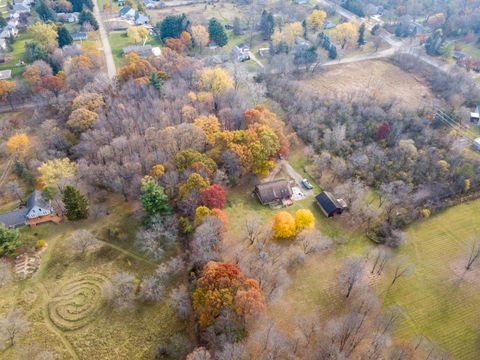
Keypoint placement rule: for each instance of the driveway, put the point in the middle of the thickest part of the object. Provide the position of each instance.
(292, 173)
(111, 70)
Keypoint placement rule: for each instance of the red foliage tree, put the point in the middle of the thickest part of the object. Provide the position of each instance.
(382, 131)
(222, 216)
(213, 196)
(52, 83)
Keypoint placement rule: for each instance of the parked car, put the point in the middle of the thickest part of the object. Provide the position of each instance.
(306, 184)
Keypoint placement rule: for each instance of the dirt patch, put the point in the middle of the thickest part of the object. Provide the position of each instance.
(460, 274)
(377, 78)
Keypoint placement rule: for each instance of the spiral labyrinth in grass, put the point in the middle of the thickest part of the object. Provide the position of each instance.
(77, 302)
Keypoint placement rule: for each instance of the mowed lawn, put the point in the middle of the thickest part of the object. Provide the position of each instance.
(119, 40)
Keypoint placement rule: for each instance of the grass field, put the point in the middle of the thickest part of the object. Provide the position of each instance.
(63, 301)
(18, 48)
(118, 40)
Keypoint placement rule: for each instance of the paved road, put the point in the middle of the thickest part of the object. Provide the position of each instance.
(254, 58)
(111, 70)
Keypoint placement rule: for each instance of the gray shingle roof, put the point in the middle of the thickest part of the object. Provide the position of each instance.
(14, 218)
(36, 199)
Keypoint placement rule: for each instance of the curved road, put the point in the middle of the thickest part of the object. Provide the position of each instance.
(111, 70)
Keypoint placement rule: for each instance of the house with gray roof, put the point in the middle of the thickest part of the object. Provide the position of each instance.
(37, 210)
(20, 8)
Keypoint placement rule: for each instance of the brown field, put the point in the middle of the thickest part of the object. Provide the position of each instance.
(377, 78)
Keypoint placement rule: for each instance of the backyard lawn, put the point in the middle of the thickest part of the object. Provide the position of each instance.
(119, 40)
(18, 48)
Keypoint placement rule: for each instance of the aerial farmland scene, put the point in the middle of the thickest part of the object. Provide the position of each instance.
(239, 180)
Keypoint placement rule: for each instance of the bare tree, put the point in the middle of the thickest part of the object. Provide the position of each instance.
(12, 326)
(5, 273)
(179, 298)
(474, 253)
(120, 291)
(312, 241)
(159, 237)
(380, 256)
(82, 240)
(352, 273)
(199, 353)
(253, 229)
(13, 188)
(401, 269)
(206, 241)
(232, 351)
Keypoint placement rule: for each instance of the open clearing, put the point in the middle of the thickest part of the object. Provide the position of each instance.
(377, 78)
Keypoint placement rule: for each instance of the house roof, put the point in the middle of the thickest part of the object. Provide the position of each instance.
(142, 50)
(20, 7)
(36, 199)
(125, 10)
(79, 35)
(273, 190)
(328, 202)
(14, 218)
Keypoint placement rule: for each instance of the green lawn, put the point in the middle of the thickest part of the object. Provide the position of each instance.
(18, 48)
(120, 40)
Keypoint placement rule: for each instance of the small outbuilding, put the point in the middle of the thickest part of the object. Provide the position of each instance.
(329, 205)
(276, 192)
(476, 144)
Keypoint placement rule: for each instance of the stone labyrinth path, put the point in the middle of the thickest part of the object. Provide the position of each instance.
(77, 302)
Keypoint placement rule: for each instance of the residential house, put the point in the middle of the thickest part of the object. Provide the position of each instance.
(8, 32)
(329, 205)
(150, 4)
(301, 44)
(141, 19)
(20, 8)
(241, 52)
(79, 35)
(276, 192)
(5, 74)
(329, 25)
(68, 17)
(142, 50)
(128, 13)
(36, 211)
(3, 45)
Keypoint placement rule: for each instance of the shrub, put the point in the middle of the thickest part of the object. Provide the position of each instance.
(40, 244)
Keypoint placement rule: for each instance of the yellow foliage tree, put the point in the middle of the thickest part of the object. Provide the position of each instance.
(467, 185)
(54, 170)
(90, 101)
(157, 170)
(345, 34)
(18, 144)
(304, 219)
(200, 213)
(200, 36)
(81, 119)
(316, 19)
(288, 35)
(137, 33)
(215, 80)
(444, 166)
(210, 126)
(43, 33)
(284, 225)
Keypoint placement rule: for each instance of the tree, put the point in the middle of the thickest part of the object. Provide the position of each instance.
(3, 21)
(215, 80)
(290, 32)
(52, 83)
(351, 274)
(159, 237)
(9, 240)
(304, 219)
(53, 171)
(200, 213)
(332, 52)
(172, 26)
(157, 82)
(267, 25)
(63, 37)
(82, 240)
(18, 145)
(311, 241)
(200, 36)
(88, 17)
(179, 299)
(361, 36)
(284, 225)
(345, 34)
(216, 32)
(6, 89)
(153, 198)
(81, 120)
(12, 326)
(44, 11)
(401, 269)
(44, 34)
(199, 353)
(137, 33)
(473, 254)
(316, 19)
(213, 196)
(76, 205)
(434, 43)
(88, 100)
(120, 291)
(79, 5)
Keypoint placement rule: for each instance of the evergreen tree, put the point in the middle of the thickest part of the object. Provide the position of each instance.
(216, 32)
(87, 16)
(361, 36)
(434, 43)
(154, 199)
(3, 22)
(267, 25)
(156, 82)
(9, 240)
(76, 205)
(78, 5)
(45, 13)
(305, 28)
(332, 52)
(63, 37)
(172, 26)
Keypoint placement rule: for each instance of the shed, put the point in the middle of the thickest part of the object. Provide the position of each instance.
(275, 191)
(329, 205)
(5, 74)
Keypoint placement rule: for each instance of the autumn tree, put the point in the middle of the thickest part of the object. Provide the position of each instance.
(304, 220)
(6, 89)
(194, 182)
(345, 34)
(18, 145)
(290, 32)
(52, 83)
(210, 126)
(137, 33)
(53, 171)
(157, 171)
(316, 19)
(200, 213)
(284, 225)
(153, 198)
(136, 68)
(200, 36)
(44, 33)
(81, 120)
(76, 204)
(223, 288)
(88, 100)
(215, 80)
(213, 196)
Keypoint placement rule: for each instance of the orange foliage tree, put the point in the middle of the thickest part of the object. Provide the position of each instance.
(6, 89)
(136, 68)
(18, 145)
(223, 287)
